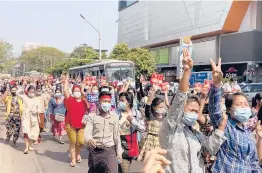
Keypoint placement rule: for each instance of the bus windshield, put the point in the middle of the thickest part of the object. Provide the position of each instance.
(119, 73)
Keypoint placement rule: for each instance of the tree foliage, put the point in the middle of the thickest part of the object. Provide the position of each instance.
(41, 58)
(81, 55)
(7, 60)
(144, 61)
(63, 66)
(86, 52)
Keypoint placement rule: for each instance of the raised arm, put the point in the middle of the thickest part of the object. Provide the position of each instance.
(166, 99)
(202, 120)
(212, 143)
(66, 89)
(151, 95)
(259, 140)
(177, 108)
(5, 95)
(215, 94)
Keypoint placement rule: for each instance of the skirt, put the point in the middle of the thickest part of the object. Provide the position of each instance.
(58, 128)
(151, 142)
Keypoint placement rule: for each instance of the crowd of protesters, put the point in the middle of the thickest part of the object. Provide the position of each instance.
(212, 129)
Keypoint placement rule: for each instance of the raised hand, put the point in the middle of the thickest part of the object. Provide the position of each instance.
(259, 129)
(217, 73)
(154, 160)
(187, 60)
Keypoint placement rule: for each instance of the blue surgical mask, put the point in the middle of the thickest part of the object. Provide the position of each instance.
(105, 107)
(242, 114)
(58, 95)
(189, 118)
(122, 106)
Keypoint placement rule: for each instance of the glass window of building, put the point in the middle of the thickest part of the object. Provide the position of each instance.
(123, 4)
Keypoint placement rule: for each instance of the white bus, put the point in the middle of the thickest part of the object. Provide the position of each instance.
(113, 70)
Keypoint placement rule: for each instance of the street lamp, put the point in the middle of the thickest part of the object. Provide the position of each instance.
(98, 31)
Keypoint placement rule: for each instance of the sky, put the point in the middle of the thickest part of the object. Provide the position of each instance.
(58, 24)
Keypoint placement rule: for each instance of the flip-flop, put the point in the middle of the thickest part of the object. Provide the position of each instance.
(26, 152)
(72, 164)
(79, 159)
(31, 149)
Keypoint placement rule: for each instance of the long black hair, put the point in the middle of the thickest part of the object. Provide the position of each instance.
(258, 96)
(156, 101)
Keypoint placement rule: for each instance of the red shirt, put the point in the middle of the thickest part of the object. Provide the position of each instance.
(75, 112)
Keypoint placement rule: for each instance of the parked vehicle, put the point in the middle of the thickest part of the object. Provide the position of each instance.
(251, 89)
(172, 88)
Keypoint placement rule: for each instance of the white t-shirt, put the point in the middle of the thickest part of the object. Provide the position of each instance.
(227, 87)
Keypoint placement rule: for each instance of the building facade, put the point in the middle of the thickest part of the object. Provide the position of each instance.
(228, 29)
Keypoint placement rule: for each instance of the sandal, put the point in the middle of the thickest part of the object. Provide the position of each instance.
(61, 142)
(72, 164)
(26, 151)
(31, 149)
(79, 159)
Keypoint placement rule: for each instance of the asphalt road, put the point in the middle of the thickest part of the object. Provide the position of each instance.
(48, 157)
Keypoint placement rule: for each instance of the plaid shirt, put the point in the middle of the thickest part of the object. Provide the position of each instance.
(238, 154)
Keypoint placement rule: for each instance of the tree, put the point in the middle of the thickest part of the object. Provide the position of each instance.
(7, 60)
(63, 66)
(41, 58)
(144, 61)
(86, 52)
(120, 52)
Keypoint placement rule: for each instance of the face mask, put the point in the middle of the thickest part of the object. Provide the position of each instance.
(58, 95)
(77, 94)
(13, 93)
(31, 95)
(86, 87)
(122, 106)
(189, 118)
(242, 114)
(95, 91)
(105, 107)
(105, 90)
(160, 111)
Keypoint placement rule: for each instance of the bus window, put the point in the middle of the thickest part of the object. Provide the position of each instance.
(119, 73)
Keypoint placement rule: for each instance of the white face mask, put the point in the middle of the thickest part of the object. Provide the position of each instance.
(95, 91)
(77, 95)
(160, 111)
(31, 95)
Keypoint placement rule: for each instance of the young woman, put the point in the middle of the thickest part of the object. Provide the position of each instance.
(30, 117)
(57, 108)
(256, 104)
(155, 112)
(43, 103)
(238, 153)
(130, 122)
(14, 109)
(132, 91)
(183, 143)
(77, 106)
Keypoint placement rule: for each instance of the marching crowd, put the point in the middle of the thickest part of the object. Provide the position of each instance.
(212, 129)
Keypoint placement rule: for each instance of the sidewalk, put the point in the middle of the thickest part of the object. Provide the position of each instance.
(48, 157)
